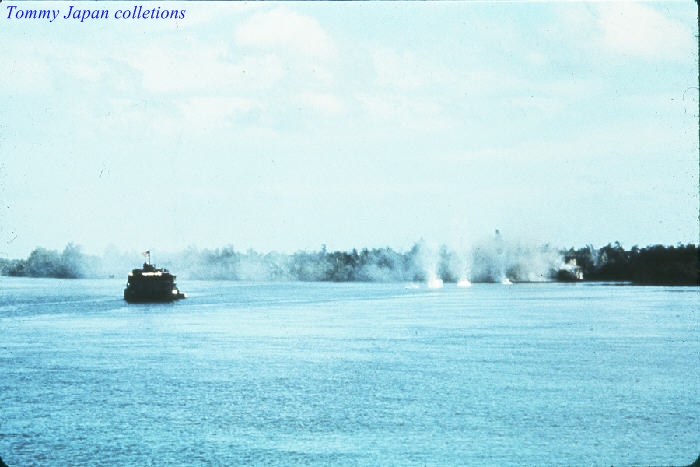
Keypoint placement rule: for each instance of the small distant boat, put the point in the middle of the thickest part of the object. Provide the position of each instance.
(570, 272)
(151, 284)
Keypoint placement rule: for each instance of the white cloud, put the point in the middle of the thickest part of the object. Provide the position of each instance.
(400, 70)
(175, 70)
(399, 112)
(639, 30)
(199, 69)
(213, 112)
(25, 75)
(287, 30)
(323, 103)
(84, 70)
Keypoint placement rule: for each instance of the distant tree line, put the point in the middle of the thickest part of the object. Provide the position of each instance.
(69, 264)
(376, 265)
(653, 265)
(492, 261)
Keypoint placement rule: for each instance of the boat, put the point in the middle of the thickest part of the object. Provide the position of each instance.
(151, 284)
(570, 272)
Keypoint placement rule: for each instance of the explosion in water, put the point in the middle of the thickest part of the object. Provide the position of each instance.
(493, 260)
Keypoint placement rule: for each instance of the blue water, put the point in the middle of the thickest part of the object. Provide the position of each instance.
(349, 374)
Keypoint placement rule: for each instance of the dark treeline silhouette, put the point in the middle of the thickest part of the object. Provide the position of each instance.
(653, 265)
(494, 260)
(70, 264)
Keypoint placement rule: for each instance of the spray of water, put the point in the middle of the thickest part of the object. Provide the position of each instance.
(494, 259)
(426, 262)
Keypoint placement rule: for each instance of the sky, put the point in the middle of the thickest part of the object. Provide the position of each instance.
(284, 126)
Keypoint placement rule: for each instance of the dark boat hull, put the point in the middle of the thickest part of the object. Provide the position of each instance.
(149, 285)
(568, 275)
(152, 297)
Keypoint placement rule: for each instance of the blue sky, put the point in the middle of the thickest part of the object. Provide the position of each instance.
(284, 126)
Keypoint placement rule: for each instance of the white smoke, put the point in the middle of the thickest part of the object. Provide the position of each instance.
(494, 259)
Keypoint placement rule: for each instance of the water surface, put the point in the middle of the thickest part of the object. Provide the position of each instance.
(354, 374)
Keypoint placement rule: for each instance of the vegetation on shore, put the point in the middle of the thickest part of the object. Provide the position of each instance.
(653, 265)
(70, 264)
(491, 262)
